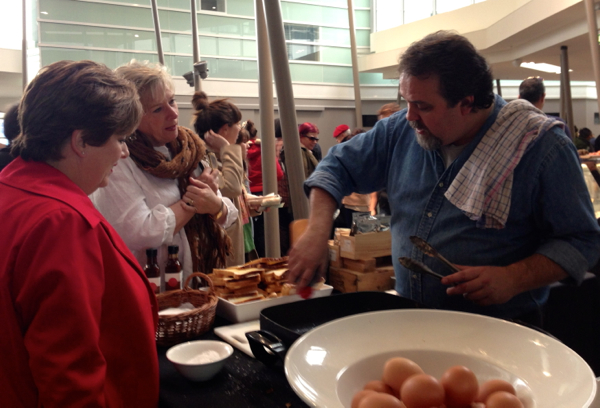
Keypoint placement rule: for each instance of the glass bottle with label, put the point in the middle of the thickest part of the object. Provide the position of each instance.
(173, 272)
(152, 270)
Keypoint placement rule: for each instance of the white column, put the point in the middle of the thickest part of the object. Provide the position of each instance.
(267, 131)
(195, 46)
(566, 84)
(161, 56)
(357, 100)
(287, 110)
(594, 48)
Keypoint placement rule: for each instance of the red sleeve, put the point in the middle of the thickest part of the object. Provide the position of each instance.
(60, 300)
(279, 170)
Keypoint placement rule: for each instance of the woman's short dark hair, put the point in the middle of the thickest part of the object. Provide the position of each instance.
(213, 115)
(66, 96)
(461, 70)
(11, 123)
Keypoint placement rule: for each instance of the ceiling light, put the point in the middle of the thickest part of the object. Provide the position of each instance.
(43, 12)
(136, 36)
(555, 69)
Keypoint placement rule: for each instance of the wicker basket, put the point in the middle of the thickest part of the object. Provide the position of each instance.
(173, 329)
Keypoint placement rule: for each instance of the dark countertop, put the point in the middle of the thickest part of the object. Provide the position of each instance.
(243, 382)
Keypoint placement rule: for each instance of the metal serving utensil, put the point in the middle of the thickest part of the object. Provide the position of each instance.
(427, 249)
(418, 267)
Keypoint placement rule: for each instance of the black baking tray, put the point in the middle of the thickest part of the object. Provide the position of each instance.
(282, 325)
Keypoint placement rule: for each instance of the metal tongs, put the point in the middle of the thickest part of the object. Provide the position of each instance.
(420, 267)
(431, 251)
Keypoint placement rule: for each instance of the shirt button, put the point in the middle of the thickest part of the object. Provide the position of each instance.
(441, 184)
(414, 276)
(429, 214)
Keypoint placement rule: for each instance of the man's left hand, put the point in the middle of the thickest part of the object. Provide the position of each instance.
(483, 285)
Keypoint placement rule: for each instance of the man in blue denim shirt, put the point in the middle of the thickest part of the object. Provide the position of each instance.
(551, 233)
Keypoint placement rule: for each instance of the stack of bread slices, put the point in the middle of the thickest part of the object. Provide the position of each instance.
(259, 279)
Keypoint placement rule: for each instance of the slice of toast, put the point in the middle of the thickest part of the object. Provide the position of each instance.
(275, 275)
(245, 299)
(235, 272)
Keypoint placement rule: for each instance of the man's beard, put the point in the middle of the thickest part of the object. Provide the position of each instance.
(426, 140)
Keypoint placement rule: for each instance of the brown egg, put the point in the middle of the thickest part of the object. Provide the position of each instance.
(503, 399)
(460, 387)
(491, 386)
(379, 386)
(422, 391)
(380, 400)
(358, 397)
(397, 370)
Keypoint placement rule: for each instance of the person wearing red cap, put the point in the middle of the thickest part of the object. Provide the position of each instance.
(308, 133)
(341, 133)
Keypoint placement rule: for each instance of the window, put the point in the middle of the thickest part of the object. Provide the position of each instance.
(297, 32)
(212, 5)
(303, 52)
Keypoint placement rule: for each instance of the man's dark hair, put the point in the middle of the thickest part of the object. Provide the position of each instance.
(462, 71)
(585, 133)
(11, 123)
(532, 89)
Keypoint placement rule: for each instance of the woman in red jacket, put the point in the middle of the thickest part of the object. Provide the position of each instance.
(256, 184)
(77, 312)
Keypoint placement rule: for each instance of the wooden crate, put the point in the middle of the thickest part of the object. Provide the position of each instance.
(335, 259)
(346, 280)
(364, 246)
(365, 265)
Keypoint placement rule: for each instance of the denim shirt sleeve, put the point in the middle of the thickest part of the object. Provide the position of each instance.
(359, 165)
(565, 210)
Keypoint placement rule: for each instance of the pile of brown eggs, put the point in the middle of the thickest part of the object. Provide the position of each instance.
(405, 385)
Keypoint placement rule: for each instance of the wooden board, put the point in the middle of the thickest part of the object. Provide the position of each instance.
(346, 280)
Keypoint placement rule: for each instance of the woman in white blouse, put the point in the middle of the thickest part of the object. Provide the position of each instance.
(163, 194)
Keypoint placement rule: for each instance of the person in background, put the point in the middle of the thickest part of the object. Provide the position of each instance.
(255, 175)
(78, 314)
(583, 141)
(353, 203)
(533, 90)
(159, 196)
(286, 215)
(249, 247)
(219, 122)
(11, 131)
(500, 216)
(356, 131)
(308, 139)
(341, 133)
(316, 151)
(387, 110)
(597, 144)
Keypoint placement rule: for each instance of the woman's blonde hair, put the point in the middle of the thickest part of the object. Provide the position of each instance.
(150, 79)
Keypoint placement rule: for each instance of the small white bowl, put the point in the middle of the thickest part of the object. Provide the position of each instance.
(199, 360)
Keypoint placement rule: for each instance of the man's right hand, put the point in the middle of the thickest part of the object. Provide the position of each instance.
(308, 259)
(308, 256)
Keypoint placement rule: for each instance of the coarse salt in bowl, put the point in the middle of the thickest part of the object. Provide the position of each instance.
(199, 360)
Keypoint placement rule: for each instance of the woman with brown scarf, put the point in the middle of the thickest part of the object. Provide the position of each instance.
(163, 194)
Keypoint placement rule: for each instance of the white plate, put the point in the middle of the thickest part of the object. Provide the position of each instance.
(251, 310)
(329, 364)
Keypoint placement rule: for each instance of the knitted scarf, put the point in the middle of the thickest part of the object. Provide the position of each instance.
(208, 242)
